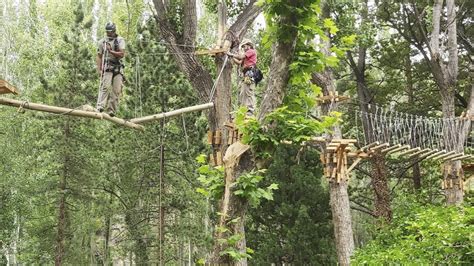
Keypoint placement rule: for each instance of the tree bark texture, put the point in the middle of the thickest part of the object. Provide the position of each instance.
(381, 189)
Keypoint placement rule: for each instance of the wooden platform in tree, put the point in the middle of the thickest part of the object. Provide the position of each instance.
(6, 87)
(211, 51)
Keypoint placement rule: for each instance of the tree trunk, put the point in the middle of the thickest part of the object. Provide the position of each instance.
(416, 176)
(339, 198)
(232, 207)
(378, 163)
(445, 76)
(381, 189)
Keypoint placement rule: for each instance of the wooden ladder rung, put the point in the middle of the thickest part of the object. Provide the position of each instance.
(442, 156)
(435, 154)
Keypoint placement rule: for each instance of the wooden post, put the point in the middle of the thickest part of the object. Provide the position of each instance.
(68, 111)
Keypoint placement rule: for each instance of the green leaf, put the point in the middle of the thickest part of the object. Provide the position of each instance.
(332, 61)
(349, 40)
(201, 159)
(202, 191)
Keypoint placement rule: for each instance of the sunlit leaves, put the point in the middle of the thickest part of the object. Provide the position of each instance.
(433, 235)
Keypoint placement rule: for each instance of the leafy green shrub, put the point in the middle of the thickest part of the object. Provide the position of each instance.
(430, 235)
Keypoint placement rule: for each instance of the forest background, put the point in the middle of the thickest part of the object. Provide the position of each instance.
(75, 191)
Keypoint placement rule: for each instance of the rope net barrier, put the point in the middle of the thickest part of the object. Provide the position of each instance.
(388, 126)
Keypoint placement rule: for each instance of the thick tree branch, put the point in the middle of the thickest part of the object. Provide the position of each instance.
(245, 19)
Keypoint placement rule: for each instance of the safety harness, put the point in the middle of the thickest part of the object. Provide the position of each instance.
(113, 66)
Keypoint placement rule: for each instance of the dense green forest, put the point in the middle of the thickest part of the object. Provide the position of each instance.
(358, 151)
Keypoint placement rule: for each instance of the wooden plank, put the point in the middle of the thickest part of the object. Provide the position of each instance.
(216, 159)
(409, 151)
(391, 148)
(333, 174)
(345, 141)
(210, 137)
(169, 114)
(454, 157)
(428, 153)
(359, 154)
(214, 137)
(370, 145)
(340, 157)
(354, 164)
(68, 111)
(211, 51)
(318, 139)
(435, 154)
(322, 158)
(404, 147)
(383, 145)
(464, 157)
(420, 152)
(439, 157)
(6, 87)
(334, 144)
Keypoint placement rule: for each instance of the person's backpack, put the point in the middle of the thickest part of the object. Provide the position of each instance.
(258, 75)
